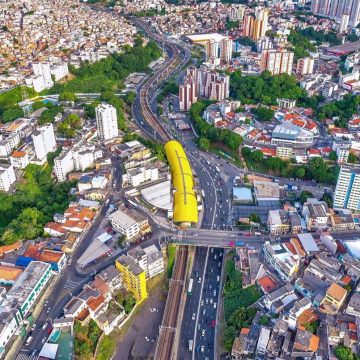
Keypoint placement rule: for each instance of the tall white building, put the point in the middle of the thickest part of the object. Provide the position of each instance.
(188, 90)
(106, 120)
(347, 192)
(7, 177)
(8, 143)
(277, 62)
(305, 66)
(44, 141)
(59, 71)
(336, 9)
(85, 156)
(43, 69)
(63, 165)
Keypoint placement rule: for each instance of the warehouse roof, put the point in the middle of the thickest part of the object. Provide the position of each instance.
(185, 201)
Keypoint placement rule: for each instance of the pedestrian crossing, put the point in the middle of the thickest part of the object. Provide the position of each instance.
(68, 288)
(23, 356)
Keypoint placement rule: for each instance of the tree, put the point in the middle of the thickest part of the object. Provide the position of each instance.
(204, 143)
(343, 353)
(121, 239)
(67, 96)
(255, 218)
(327, 197)
(333, 156)
(352, 159)
(130, 98)
(300, 172)
(305, 195)
(12, 113)
(263, 113)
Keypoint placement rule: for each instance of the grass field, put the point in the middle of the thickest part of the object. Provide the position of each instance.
(171, 252)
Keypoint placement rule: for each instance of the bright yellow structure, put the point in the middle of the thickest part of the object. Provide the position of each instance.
(185, 201)
(134, 277)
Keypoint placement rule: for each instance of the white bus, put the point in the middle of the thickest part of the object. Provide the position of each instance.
(203, 194)
(191, 342)
(190, 286)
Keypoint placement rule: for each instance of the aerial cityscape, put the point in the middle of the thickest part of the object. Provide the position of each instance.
(179, 179)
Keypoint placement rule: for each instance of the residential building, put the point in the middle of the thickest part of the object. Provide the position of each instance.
(239, 346)
(8, 143)
(263, 341)
(333, 300)
(64, 164)
(353, 307)
(277, 61)
(212, 85)
(329, 242)
(284, 152)
(285, 263)
(298, 308)
(9, 274)
(336, 9)
(106, 122)
(305, 66)
(286, 103)
(149, 259)
(139, 175)
(43, 70)
(277, 295)
(44, 141)
(305, 342)
(134, 277)
(129, 224)
(236, 12)
(59, 71)
(188, 90)
(347, 192)
(19, 159)
(256, 26)
(7, 176)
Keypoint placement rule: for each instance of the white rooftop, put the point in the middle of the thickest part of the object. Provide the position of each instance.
(354, 248)
(308, 242)
(158, 195)
(206, 37)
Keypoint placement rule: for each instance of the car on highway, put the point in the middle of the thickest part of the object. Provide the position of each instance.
(203, 332)
(211, 301)
(199, 280)
(202, 349)
(207, 301)
(214, 292)
(202, 302)
(43, 339)
(44, 326)
(28, 340)
(214, 305)
(204, 312)
(193, 316)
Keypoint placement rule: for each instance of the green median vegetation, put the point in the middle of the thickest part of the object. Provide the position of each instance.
(237, 302)
(171, 253)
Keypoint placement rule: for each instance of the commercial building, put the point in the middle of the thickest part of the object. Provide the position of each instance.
(316, 214)
(129, 224)
(347, 192)
(184, 198)
(278, 222)
(106, 121)
(289, 134)
(256, 26)
(134, 277)
(266, 191)
(337, 9)
(305, 66)
(159, 196)
(277, 61)
(19, 159)
(7, 177)
(284, 152)
(44, 141)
